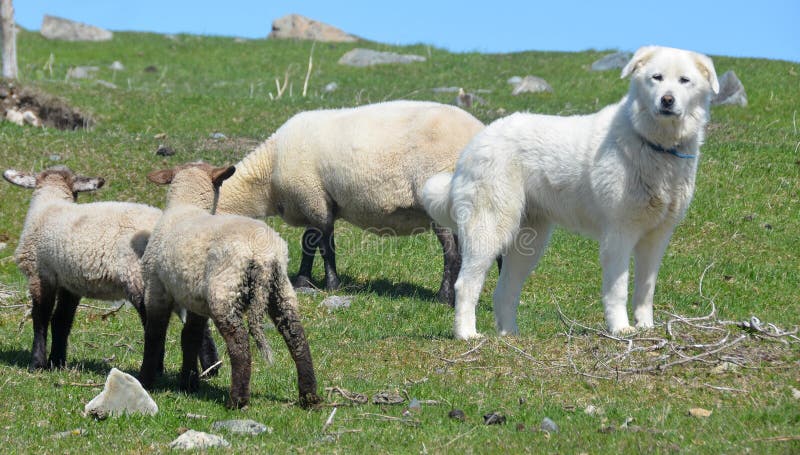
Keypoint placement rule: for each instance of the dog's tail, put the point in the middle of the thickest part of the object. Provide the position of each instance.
(436, 199)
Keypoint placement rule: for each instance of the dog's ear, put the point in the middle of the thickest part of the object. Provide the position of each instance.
(639, 59)
(706, 67)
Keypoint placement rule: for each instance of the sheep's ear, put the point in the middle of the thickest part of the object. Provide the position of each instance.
(220, 174)
(638, 60)
(81, 184)
(163, 177)
(22, 179)
(706, 67)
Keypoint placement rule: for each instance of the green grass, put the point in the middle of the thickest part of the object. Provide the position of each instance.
(395, 337)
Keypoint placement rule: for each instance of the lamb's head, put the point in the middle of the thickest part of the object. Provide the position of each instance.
(193, 183)
(57, 181)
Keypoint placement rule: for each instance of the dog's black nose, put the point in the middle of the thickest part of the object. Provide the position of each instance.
(667, 101)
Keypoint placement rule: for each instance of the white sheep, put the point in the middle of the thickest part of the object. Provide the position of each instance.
(69, 251)
(366, 165)
(223, 267)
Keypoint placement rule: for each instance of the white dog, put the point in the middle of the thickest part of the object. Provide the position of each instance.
(623, 176)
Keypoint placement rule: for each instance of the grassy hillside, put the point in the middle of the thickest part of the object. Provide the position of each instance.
(740, 236)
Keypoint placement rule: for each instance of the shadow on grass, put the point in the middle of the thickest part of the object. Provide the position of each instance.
(21, 359)
(383, 287)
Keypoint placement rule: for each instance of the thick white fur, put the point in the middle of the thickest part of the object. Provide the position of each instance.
(594, 174)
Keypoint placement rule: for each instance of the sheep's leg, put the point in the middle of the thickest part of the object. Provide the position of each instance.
(42, 299)
(310, 243)
(282, 309)
(191, 341)
(155, 333)
(208, 352)
(327, 248)
(60, 326)
(452, 264)
(232, 328)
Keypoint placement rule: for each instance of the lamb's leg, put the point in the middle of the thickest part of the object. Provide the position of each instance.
(60, 326)
(159, 312)
(452, 264)
(42, 299)
(208, 352)
(191, 341)
(232, 328)
(327, 248)
(309, 245)
(282, 309)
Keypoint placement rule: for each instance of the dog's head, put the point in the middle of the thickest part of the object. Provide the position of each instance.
(671, 83)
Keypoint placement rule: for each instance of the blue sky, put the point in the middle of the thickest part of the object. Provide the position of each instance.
(765, 28)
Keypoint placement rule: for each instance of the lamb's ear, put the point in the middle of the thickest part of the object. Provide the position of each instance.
(640, 57)
(22, 179)
(82, 184)
(706, 67)
(220, 174)
(163, 177)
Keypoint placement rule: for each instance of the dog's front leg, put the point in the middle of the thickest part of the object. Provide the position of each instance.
(615, 254)
(647, 259)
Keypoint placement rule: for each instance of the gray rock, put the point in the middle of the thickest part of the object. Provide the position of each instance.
(548, 425)
(54, 157)
(617, 60)
(446, 89)
(731, 91)
(514, 80)
(218, 136)
(246, 426)
(457, 414)
(305, 290)
(82, 72)
(106, 84)
(335, 302)
(295, 26)
(368, 57)
(57, 28)
(14, 116)
(197, 440)
(330, 88)
(532, 84)
(494, 418)
(122, 394)
(117, 66)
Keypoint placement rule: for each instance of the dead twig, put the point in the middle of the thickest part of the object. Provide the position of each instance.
(310, 65)
(208, 370)
(329, 420)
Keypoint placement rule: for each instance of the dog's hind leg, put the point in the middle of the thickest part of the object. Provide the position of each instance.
(520, 259)
(647, 259)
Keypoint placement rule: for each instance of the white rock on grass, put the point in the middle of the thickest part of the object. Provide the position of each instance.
(245, 426)
(14, 116)
(335, 302)
(57, 28)
(731, 91)
(117, 66)
(617, 60)
(295, 26)
(197, 440)
(82, 72)
(367, 57)
(532, 84)
(122, 394)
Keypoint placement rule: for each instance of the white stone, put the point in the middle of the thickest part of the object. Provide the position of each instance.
(15, 116)
(197, 440)
(117, 66)
(64, 29)
(369, 57)
(300, 27)
(122, 394)
(532, 84)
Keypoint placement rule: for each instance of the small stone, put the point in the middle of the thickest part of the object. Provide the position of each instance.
(106, 84)
(593, 410)
(548, 425)
(160, 136)
(514, 80)
(66, 434)
(163, 150)
(368, 57)
(218, 136)
(122, 394)
(749, 217)
(151, 69)
(532, 84)
(331, 87)
(3, 246)
(54, 157)
(522, 401)
(387, 398)
(335, 302)
(795, 393)
(14, 116)
(457, 414)
(305, 290)
(617, 60)
(245, 426)
(699, 412)
(197, 440)
(731, 91)
(189, 415)
(117, 66)
(494, 418)
(415, 405)
(82, 72)
(725, 367)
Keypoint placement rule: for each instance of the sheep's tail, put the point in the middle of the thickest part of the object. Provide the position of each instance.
(257, 312)
(436, 199)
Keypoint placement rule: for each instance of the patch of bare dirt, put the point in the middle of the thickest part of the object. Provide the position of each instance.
(52, 111)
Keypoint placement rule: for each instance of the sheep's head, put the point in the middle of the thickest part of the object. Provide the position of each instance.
(59, 177)
(193, 183)
(217, 175)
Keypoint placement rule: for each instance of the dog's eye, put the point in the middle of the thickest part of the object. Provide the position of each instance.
(658, 77)
(683, 80)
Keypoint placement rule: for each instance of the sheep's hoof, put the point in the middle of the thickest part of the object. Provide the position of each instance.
(309, 401)
(237, 403)
(447, 297)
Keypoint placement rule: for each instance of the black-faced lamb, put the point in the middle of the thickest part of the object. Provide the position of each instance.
(69, 251)
(366, 165)
(223, 267)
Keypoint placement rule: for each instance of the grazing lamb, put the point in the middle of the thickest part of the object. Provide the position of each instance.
(70, 250)
(365, 165)
(222, 267)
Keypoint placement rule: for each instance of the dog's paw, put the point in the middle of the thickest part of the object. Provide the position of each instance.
(624, 331)
(468, 335)
(644, 325)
